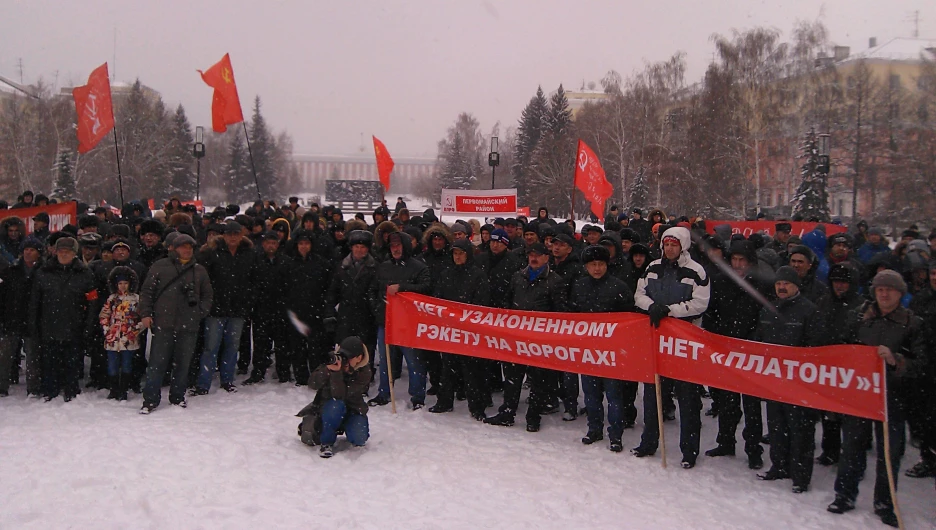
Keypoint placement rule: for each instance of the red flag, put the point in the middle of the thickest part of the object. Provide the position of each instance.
(225, 104)
(590, 178)
(384, 162)
(94, 108)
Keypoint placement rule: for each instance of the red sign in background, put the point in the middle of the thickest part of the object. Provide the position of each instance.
(59, 215)
(746, 228)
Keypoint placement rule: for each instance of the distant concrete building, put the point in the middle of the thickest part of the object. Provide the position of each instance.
(119, 89)
(578, 98)
(314, 170)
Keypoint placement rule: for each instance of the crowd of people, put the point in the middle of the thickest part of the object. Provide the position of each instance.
(274, 287)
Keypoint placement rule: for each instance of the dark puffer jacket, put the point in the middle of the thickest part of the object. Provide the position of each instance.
(500, 269)
(59, 306)
(548, 292)
(349, 387)
(232, 277)
(463, 283)
(837, 310)
(605, 295)
(901, 331)
(409, 273)
(164, 297)
(306, 287)
(15, 288)
(351, 291)
(795, 323)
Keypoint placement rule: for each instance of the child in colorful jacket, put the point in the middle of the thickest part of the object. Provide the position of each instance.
(121, 321)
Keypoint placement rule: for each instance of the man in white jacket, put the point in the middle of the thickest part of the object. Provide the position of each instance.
(674, 286)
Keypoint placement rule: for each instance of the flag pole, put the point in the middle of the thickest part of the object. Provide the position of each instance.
(252, 166)
(887, 451)
(119, 176)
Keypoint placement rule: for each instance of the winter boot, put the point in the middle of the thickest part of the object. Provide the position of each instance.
(922, 469)
(503, 419)
(721, 450)
(592, 437)
(326, 451)
(441, 407)
(617, 446)
(113, 383)
(827, 459)
(840, 505)
(774, 474)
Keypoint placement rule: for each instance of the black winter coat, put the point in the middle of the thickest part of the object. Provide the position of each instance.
(409, 273)
(548, 292)
(59, 305)
(796, 323)
(606, 295)
(307, 286)
(732, 312)
(463, 283)
(837, 311)
(232, 278)
(352, 291)
(270, 288)
(901, 331)
(15, 287)
(500, 269)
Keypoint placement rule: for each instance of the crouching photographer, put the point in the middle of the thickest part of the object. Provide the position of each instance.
(339, 404)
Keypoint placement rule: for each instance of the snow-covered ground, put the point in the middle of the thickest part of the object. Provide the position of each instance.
(234, 461)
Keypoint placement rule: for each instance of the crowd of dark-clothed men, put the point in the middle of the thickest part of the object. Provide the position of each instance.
(297, 295)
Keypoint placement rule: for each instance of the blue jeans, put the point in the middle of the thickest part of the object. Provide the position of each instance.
(595, 389)
(417, 371)
(119, 361)
(221, 333)
(335, 415)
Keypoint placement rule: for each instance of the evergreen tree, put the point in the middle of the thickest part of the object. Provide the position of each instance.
(262, 148)
(640, 189)
(552, 165)
(559, 116)
(182, 181)
(65, 178)
(239, 182)
(528, 136)
(457, 167)
(812, 198)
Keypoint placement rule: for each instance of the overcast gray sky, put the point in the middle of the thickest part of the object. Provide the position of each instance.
(330, 70)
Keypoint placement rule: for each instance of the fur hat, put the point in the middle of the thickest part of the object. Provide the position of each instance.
(596, 253)
(889, 278)
(151, 226)
(66, 243)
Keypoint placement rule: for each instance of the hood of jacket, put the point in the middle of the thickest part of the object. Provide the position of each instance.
(122, 270)
(386, 227)
(436, 228)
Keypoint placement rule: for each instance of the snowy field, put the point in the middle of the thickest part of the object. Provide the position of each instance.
(235, 461)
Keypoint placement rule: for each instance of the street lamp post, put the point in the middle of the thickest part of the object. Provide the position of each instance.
(824, 148)
(198, 152)
(493, 159)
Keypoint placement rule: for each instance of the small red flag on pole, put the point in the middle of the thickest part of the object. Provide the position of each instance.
(590, 179)
(94, 108)
(384, 162)
(225, 104)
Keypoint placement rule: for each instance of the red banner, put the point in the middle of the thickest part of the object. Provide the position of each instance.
(746, 228)
(94, 109)
(846, 379)
(585, 343)
(59, 215)
(479, 202)
(524, 211)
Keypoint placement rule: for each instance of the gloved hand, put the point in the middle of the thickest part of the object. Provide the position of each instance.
(657, 312)
(330, 324)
